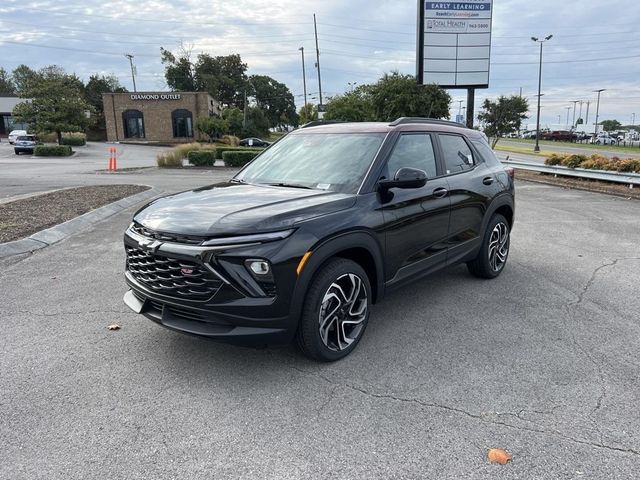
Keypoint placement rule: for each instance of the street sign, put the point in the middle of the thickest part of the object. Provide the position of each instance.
(454, 43)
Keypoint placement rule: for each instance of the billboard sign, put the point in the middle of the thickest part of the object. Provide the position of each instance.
(454, 43)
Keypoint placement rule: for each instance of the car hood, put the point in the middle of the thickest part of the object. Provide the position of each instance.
(238, 209)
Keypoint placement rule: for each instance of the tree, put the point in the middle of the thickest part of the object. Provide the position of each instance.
(56, 102)
(96, 86)
(610, 125)
(179, 70)
(504, 116)
(235, 119)
(397, 95)
(275, 99)
(21, 76)
(257, 123)
(212, 127)
(308, 113)
(224, 77)
(354, 106)
(6, 83)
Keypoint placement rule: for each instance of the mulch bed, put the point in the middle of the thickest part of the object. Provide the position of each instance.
(618, 189)
(21, 218)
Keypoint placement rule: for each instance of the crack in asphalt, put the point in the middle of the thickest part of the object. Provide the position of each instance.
(480, 417)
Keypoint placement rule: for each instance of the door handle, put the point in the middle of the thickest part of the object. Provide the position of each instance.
(487, 180)
(440, 192)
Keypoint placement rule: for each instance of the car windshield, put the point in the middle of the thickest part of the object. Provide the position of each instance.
(325, 161)
(23, 137)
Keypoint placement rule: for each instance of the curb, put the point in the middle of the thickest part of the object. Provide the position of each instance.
(44, 238)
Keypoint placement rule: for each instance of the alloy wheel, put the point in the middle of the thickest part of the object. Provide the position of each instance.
(499, 246)
(342, 312)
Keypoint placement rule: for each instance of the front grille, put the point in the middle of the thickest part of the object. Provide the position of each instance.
(176, 311)
(167, 237)
(171, 277)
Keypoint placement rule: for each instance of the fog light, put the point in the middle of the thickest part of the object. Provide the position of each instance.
(260, 268)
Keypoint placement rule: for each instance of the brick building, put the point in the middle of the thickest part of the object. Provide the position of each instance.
(163, 117)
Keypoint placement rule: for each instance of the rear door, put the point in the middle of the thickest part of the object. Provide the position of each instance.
(472, 185)
(416, 220)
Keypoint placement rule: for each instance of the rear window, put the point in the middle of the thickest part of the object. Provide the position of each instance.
(485, 151)
(26, 137)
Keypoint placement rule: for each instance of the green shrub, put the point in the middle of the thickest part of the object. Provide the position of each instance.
(238, 158)
(220, 150)
(554, 159)
(202, 158)
(169, 160)
(52, 151)
(574, 161)
(74, 140)
(48, 137)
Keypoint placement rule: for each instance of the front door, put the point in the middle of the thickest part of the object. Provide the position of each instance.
(416, 220)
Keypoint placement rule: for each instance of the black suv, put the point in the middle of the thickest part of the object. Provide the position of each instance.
(307, 236)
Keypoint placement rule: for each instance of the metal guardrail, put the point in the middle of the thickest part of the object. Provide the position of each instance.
(629, 178)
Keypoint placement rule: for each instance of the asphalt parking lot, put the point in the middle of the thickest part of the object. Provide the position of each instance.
(542, 361)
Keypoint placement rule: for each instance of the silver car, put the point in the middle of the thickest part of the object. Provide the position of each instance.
(25, 144)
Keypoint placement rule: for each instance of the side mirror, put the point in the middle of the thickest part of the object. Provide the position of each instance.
(405, 178)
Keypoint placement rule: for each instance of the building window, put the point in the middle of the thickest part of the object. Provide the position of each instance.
(133, 122)
(182, 123)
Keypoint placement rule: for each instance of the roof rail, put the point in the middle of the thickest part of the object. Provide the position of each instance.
(317, 123)
(433, 121)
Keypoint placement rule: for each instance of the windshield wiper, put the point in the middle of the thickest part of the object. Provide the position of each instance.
(289, 185)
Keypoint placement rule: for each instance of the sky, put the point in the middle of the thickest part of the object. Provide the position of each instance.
(595, 45)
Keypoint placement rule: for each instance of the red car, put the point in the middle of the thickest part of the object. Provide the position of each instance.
(560, 135)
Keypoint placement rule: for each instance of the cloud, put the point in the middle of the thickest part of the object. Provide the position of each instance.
(359, 40)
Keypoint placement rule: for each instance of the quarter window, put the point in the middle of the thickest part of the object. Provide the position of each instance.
(133, 122)
(457, 154)
(414, 151)
(182, 123)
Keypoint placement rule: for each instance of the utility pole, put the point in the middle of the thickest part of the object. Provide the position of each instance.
(598, 108)
(133, 76)
(580, 114)
(633, 119)
(304, 77)
(558, 119)
(541, 42)
(568, 110)
(315, 28)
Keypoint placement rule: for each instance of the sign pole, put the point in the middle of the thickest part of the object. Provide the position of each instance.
(471, 108)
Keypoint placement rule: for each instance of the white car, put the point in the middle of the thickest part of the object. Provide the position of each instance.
(15, 134)
(604, 140)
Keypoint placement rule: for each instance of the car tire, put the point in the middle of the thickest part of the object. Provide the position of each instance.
(17, 152)
(335, 312)
(494, 250)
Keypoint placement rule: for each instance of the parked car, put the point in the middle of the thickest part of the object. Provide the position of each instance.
(25, 144)
(560, 135)
(253, 142)
(296, 248)
(531, 134)
(603, 139)
(583, 136)
(15, 134)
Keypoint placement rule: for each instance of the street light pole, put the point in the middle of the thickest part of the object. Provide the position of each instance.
(598, 108)
(304, 77)
(568, 110)
(133, 77)
(535, 39)
(315, 28)
(574, 113)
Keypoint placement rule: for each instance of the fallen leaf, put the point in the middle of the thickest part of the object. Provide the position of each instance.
(115, 326)
(498, 455)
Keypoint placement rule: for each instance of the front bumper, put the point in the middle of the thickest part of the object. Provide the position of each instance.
(230, 313)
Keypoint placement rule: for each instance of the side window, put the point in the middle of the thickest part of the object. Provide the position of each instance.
(415, 151)
(457, 154)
